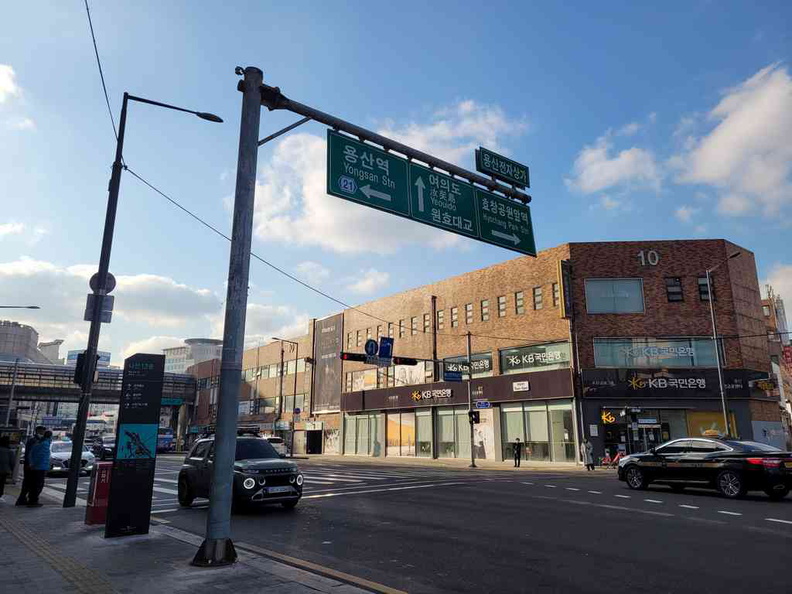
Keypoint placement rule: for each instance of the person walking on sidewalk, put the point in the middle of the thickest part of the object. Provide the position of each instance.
(517, 451)
(587, 453)
(24, 492)
(6, 462)
(39, 465)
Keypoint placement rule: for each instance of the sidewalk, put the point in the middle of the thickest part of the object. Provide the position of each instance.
(506, 465)
(50, 549)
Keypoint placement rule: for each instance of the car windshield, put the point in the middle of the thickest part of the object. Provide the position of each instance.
(247, 449)
(752, 446)
(63, 446)
(108, 439)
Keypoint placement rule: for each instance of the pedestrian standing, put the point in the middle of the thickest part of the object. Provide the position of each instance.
(39, 465)
(7, 461)
(517, 451)
(27, 476)
(587, 453)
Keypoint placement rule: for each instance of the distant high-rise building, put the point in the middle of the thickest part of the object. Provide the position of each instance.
(195, 350)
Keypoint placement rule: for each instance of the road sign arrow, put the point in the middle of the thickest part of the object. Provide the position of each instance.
(511, 237)
(369, 193)
(419, 183)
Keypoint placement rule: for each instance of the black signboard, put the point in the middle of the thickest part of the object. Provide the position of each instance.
(328, 343)
(132, 480)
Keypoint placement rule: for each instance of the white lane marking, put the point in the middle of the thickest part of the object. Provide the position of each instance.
(728, 513)
(653, 501)
(161, 480)
(164, 490)
(688, 506)
(336, 494)
(550, 486)
(623, 496)
(334, 477)
(524, 483)
(164, 511)
(778, 520)
(572, 489)
(596, 492)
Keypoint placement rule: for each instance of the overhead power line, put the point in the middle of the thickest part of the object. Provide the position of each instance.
(101, 73)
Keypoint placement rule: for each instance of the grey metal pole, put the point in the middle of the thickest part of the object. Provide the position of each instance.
(280, 383)
(435, 366)
(724, 403)
(11, 394)
(217, 547)
(294, 395)
(470, 403)
(78, 436)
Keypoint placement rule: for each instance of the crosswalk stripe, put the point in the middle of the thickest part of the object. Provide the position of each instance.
(162, 480)
(164, 490)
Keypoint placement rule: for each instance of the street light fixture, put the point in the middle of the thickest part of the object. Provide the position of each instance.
(724, 402)
(86, 385)
(19, 307)
(294, 390)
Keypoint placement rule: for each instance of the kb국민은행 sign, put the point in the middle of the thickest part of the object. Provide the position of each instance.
(361, 173)
(132, 479)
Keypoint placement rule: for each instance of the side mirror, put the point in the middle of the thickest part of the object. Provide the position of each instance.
(282, 455)
(652, 451)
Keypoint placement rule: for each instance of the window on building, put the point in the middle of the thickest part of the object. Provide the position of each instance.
(349, 340)
(614, 295)
(674, 289)
(519, 303)
(379, 332)
(368, 333)
(390, 330)
(766, 310)
(413, 326)
(704, 289)
(454, 317)
(537, 298)
(401, 328)
(468, 313)
(358, 338)
(427, 323)
(428, 371)
(485, 310)
(556, 294)
(502, 306)
(440, 319)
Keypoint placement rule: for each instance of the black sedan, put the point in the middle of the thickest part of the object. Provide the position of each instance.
(732, 467)
(104, 447)
(261, 476)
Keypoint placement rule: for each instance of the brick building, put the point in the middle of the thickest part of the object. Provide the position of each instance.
(561, 345)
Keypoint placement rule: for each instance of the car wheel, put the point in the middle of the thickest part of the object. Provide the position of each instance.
(290, 504)
(677, 488)
(635, 478)
(730, 484)
(186, 495)
(776, 494)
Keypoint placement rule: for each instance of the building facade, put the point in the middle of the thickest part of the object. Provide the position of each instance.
(194, 350)
(611, 341)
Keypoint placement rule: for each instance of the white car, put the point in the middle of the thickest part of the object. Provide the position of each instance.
(278, 444)
(60, 455)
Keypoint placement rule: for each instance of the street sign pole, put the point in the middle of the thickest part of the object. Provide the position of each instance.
(217, 548)
(470, 403)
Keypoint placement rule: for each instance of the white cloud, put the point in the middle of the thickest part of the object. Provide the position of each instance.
(700, 229)
(780, 278)
(264, 321)
(152, 345)
(11, 229)
(596, 168)
(609, 203)
(292, 204)
(685, 213)
(629, 129)
(23, 124)
(312, 272)
(369, 281)
(8, 85)
(747, 155)
(161, 301)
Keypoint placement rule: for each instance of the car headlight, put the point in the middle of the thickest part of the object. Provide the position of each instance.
(300, 480)
(249, 483)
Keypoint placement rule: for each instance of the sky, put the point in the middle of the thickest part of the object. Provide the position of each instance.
(638, 121)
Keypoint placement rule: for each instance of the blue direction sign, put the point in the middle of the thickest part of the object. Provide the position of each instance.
(371, 347)
(483, 404)
(385, 347)
(452, 376)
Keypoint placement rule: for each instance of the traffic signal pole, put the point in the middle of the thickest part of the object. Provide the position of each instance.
(217, 548)
(470, 403)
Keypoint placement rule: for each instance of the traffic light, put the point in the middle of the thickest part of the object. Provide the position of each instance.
(405, 361)
(475, 417)
(353, 357)
(79, 369)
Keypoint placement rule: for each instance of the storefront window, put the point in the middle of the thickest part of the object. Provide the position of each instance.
(654, 353)
(462, 433)
(362, 448)
(350, 432)
(538, 357)
(562, 431)
(408, 434)
(445, 433)
(537, 443)
(546, 431)
(511, 427)
(423, 420)
(393, 435)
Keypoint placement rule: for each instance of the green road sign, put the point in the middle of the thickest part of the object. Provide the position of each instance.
(361, 173)
(440, 200)
(502, 168)
(505, 223)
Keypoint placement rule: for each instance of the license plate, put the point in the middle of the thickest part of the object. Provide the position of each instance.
(278, 489)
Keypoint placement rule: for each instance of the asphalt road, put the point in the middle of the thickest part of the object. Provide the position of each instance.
(431, 529)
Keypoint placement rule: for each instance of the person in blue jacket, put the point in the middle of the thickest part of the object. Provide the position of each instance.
(39, 465)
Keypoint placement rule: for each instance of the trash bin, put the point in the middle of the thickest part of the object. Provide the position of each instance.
(98, 493)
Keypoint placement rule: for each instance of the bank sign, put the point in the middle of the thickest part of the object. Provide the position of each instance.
(421, 395)
(362, 173)
(535, 357)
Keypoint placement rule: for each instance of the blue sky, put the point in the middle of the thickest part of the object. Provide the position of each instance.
(638, 121)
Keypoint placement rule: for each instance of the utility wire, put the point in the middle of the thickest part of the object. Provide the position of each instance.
(101, 73)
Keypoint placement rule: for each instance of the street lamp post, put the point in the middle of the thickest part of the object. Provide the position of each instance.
(86, 384)
(294, 389)
(724, 402)
(19, 307)
(11, 394)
